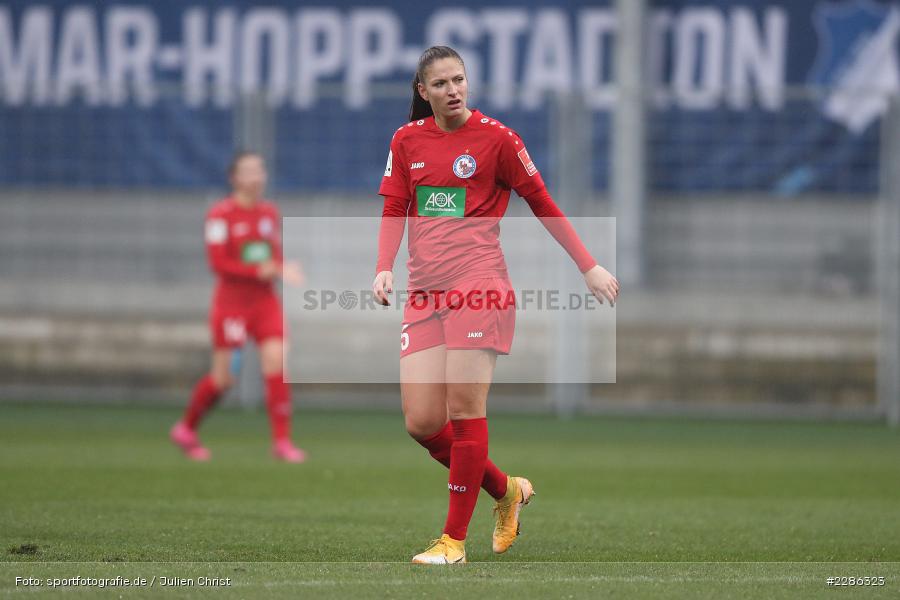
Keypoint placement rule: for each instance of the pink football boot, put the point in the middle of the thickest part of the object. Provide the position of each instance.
(285, 450)
(186, 439)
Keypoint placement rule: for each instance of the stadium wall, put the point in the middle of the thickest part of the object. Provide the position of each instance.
(743, 307)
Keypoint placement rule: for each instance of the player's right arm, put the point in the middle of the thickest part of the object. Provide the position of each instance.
(517, 171)
(220, 260)
(395, 189)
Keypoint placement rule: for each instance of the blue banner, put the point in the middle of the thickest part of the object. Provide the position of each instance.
(742, 95)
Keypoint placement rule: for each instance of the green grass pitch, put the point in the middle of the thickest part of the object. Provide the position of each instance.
(626, 508)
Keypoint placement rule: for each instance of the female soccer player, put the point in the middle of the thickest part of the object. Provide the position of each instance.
(243, 244)
(450, 169)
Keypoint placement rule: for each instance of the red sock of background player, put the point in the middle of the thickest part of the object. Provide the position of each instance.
(439, 444)
(467, 458)
(278, 401)
(204, 396)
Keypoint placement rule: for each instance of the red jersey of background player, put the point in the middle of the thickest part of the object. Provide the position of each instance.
(238, 239)
(469, 173)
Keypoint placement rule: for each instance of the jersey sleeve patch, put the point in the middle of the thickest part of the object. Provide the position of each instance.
(389, 168)
(216, 231)
(527, 162)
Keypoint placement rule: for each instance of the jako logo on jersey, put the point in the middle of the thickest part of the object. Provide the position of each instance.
(440, 201)
(527, 162)
(464, 166)
(475, 334)
(857, 42)
(418, 165)
(456, 488)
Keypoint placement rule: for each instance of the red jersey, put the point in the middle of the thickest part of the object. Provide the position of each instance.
(458, 184)
(237, 240)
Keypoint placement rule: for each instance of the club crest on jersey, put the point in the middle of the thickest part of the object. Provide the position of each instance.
(265, 227)
(464, 166)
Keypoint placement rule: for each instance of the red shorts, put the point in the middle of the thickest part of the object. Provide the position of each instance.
(261, 319)
(478, 314)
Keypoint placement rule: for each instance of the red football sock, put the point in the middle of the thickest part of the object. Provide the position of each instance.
(204, 396)
(278, 401)
(439, 444)
(467, 458)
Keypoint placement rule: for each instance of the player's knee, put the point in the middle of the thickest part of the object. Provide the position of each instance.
(272, 364)
(271, 367)
(223, 381)
(272, 359)
(464, 403)
(419, 427)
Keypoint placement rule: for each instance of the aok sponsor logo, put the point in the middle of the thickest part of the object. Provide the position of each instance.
(441, 201)
(256, 252)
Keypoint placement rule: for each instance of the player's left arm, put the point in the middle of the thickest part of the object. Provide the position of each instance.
(291, 272)
(518, 171)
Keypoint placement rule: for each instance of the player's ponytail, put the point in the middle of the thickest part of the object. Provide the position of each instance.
(419, 108)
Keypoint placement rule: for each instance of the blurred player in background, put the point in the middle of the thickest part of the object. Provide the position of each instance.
(450, 169)
(243, 244)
